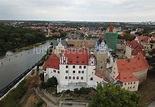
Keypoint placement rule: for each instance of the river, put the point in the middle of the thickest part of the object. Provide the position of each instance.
(14, 65)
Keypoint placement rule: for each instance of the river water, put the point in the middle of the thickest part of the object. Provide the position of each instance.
(14, 65)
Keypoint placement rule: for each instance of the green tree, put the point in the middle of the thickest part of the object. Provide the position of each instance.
(114, 96)
(52, 82)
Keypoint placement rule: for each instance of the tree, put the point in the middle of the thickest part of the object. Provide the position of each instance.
(52, 82)
(114, 96)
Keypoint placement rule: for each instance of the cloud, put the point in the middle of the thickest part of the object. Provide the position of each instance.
(80, 10)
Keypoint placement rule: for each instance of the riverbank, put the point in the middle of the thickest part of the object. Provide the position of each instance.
(28, 47)
(23, 49)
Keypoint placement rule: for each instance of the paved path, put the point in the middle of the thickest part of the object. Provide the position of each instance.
(152, 104)
(48, 102)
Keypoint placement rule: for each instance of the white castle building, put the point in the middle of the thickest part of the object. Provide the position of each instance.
(73, 69)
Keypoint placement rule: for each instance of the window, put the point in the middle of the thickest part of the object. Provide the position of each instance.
(80, 67)
(66, 66)
(66, 71)
(69, 77)
(125, 84)
(54, 71)
(73, 66)
(101, 67)
(79, 72)
(82, 71)
(77, 78)
(73, 78)
(65, 77)
(73, 71)
(133, 86)
(91, 78)
(84, 67)
(58, 72)
(81, 78)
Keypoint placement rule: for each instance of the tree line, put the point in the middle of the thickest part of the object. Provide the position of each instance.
(12, 38)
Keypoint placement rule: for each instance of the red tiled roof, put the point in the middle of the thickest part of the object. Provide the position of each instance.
(126, 77)
(111, 28)
(137, 50)
(134, 64)
(143, 39)
(127, 66)
(52, 62)
(79, 57)
(137, 47)
(100, 76)
(134, 44)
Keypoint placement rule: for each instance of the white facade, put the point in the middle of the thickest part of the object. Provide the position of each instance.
(132, 86)
(128, 51)
(71, 76)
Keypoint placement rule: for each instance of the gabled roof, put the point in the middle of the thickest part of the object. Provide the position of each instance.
(52, 62)
(134, 64)
(136, 47)
(126, 67)
(126, 77)
(134, 44)
(143, 39)
(100, 76)
(79, 57)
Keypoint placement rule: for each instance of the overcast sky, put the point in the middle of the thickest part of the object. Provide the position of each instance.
(78, 10)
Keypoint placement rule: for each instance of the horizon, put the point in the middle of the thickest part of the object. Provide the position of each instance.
(75, 21)
(78, 10)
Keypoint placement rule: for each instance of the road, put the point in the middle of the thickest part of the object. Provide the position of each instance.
(47, 101)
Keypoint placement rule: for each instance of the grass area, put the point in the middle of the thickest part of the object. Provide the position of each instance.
(28, 47)
(147, 90)
(14, 96)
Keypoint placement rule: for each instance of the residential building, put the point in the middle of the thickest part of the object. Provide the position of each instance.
(130, 72)
(133, 48)
(144, 40)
